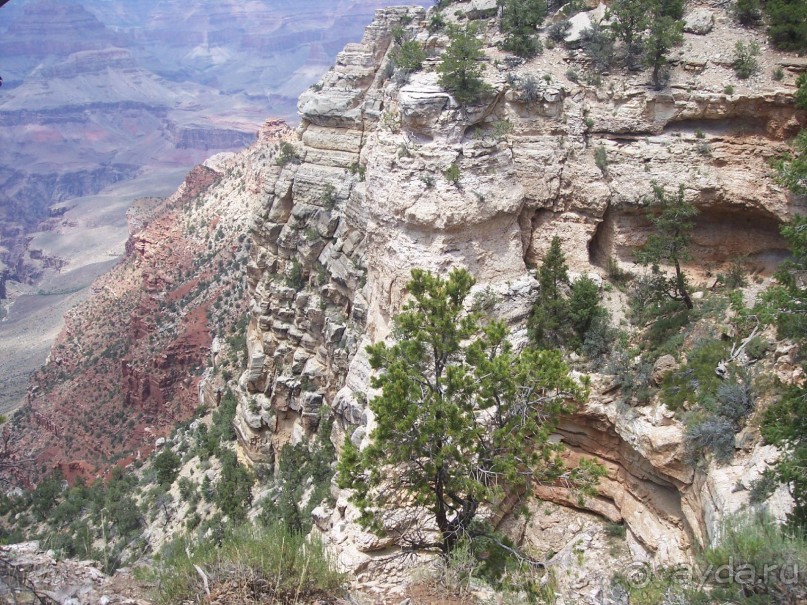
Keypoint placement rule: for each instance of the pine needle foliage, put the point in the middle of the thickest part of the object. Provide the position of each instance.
(462, 418)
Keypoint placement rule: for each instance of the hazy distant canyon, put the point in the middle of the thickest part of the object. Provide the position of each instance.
(106, 101)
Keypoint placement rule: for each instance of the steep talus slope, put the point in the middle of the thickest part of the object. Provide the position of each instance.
(336, 242)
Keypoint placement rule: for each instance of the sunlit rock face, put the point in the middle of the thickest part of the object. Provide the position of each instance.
(367, 202)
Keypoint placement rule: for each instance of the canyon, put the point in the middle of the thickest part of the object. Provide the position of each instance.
(314, 232)
(102, 105)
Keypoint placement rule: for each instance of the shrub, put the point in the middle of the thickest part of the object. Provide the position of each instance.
(294, 276)
(358, 169)
(745, 59)
(584, 305)
(408, 56)
(697, 380)
(558, 31)
(523, 44)
(747, 12)
(529, 88)
(272, 564)
(800, 98)
(287, 154)
(791, 170)
(599, 338)
(452, 174)
(728, 90)
(713, 435)
(233, 492)
(734, 277)
(778, 74)
(436, 22)
(787, 24)
(757, 347)
(598, 45)
(601, 159)
(617, 274)
(519, 20)
(764, 558)
(735, 400)
(166, 465)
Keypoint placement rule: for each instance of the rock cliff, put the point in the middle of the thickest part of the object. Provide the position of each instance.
(363, 201)
(339, 211)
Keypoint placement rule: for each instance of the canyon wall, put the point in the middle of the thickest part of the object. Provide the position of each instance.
(365, 202)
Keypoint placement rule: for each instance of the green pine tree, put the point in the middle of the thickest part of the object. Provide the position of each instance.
(461, 70)
(787, 23)
(629, 21)
(461, 420)
(550, 323)
(672, 219)
(519, 21)
(784, 424)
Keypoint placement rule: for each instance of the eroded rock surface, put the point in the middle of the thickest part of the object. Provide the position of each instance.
(367, 202)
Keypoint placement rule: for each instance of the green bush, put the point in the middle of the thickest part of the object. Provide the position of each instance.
(166, 465)
(460, 70)
(408, 56)
(697, 380)
(801, 92)
(518, 22)
(601, 159)
(747, 12)
(558, 31)
(287, 154)
(302, 466)
(584, 306)
(765, 559)
(452, 174)
(598, 44)
(787, 24)
(745, 59)
(271, 564)
(757, 347)
(233, 492)
(295, 278)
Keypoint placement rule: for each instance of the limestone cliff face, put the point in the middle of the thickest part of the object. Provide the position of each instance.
(366, 202)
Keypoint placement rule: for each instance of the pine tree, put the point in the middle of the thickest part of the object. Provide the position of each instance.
(461, 419)
(460, 71)
(672, 218)
(630, 20)
(666, 32)
(550, 323)
(784, 423)
(787, 20)
(519, 21)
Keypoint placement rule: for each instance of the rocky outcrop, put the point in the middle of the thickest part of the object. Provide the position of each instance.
(366, 201)
(31, 575)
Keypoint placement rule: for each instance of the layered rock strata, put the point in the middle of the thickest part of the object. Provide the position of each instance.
(365, 201)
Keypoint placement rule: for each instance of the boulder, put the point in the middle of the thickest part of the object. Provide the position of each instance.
(663, 366)
(483, 9)
(699, 22)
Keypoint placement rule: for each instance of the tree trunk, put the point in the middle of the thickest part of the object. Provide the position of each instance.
(680, 285)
